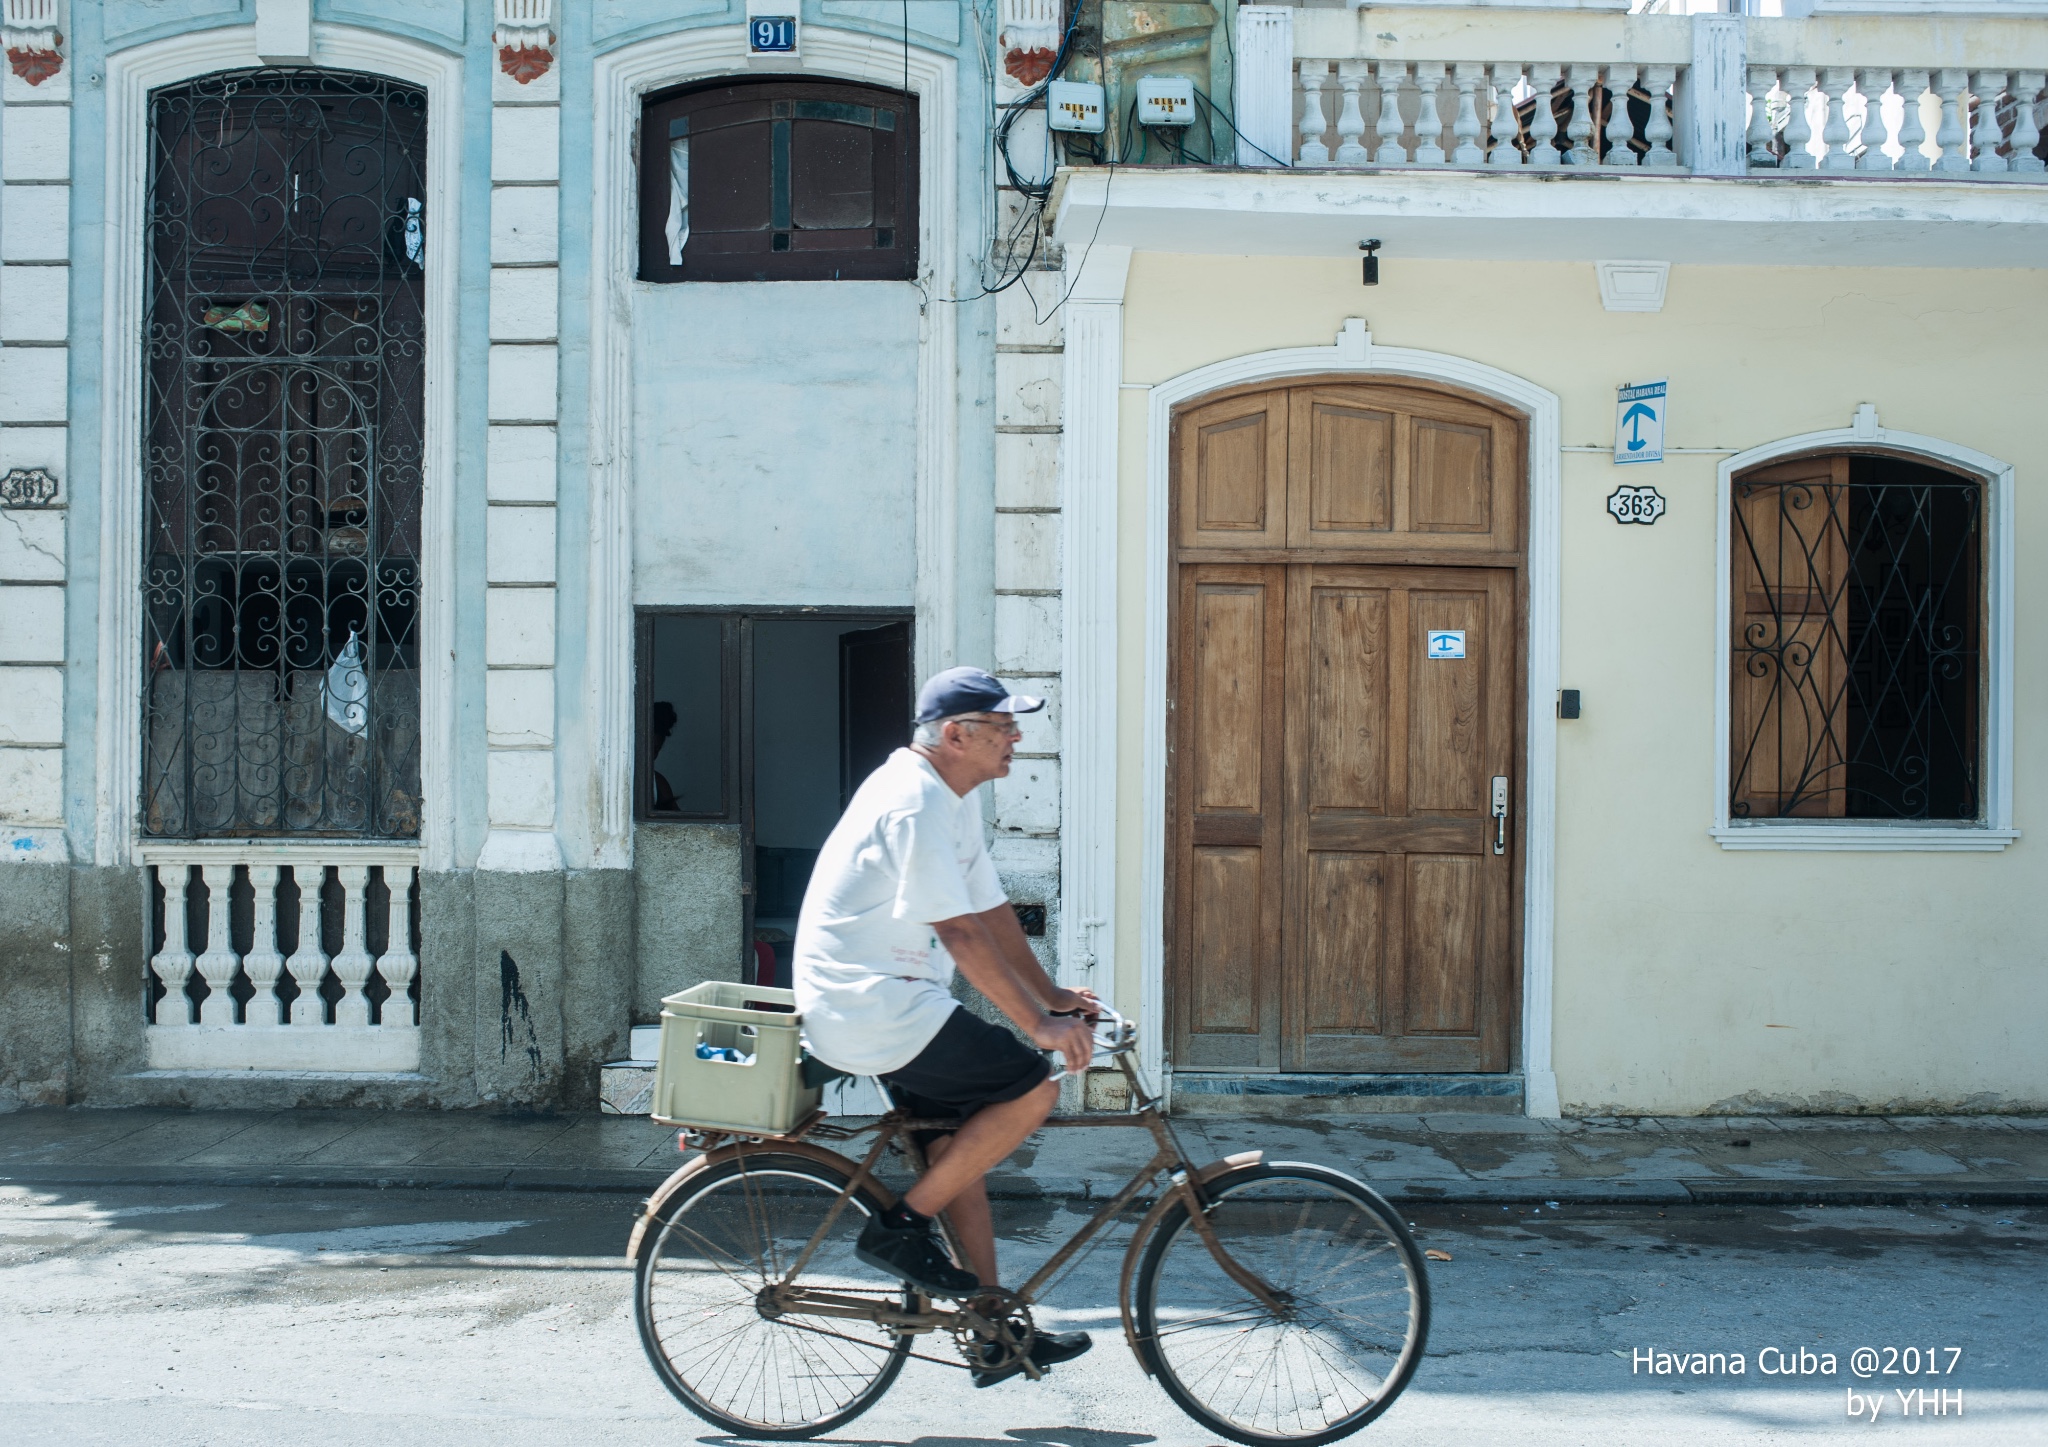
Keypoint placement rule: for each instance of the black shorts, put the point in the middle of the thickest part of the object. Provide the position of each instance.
(968, 1064)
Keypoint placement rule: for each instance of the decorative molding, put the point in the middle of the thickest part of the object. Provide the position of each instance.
(1090, 394)
(1863, 434)
(620, 79)
(1632, 286)
(1028, 34)
(524, 40)
(35, 46)
(284, 31)
(28, 487)
(131, 75)
(1541, 407)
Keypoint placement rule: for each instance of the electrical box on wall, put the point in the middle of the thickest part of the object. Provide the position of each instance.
(1166, 100)
(1074, 105)
(773, 29)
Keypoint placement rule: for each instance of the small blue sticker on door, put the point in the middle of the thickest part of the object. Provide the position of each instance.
(1446, 643)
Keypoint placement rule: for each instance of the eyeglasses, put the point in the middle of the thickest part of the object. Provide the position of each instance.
(1007, 725)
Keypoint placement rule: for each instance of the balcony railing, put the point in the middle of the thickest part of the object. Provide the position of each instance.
(1595, 90)
(295, 957)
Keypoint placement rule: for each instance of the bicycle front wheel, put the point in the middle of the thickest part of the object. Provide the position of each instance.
(1347, 1326)
(714, 1338)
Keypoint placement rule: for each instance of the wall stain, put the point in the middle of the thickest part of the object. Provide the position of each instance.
(511, 1001)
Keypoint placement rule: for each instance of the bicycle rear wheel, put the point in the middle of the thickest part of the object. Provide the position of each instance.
(1353, 1313)
(703, 1265)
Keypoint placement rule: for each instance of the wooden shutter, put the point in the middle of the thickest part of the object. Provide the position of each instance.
(1788, 588)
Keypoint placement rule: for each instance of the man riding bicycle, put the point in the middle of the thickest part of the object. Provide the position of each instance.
(903, 892)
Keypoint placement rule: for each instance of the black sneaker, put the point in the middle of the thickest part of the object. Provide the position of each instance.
(913, 1254)
(1048, 1348)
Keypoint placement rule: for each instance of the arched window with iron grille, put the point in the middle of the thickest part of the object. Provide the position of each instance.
(282, 457)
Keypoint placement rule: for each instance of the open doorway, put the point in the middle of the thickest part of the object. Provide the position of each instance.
(769, 721)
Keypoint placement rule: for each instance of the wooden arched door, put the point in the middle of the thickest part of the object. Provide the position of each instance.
(1346, 676)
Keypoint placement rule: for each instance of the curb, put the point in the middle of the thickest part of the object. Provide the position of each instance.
(1433, 1191)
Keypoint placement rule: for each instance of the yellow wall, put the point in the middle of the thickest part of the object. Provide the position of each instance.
(1689, 978)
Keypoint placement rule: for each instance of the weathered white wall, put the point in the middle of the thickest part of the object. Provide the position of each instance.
(775, 449)
(1689, 978)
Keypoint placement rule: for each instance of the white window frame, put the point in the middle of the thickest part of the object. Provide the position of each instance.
(1993, 831)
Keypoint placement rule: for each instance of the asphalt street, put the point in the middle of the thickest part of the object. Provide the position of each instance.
(280, 1317)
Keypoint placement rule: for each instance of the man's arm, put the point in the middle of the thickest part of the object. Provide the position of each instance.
(974, 948)
(1016, 950)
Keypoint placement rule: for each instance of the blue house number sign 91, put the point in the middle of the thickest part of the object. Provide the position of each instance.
(771, 34)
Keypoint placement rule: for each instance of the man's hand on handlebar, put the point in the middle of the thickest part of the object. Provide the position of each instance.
(1068, 1034)
(1075, 1002)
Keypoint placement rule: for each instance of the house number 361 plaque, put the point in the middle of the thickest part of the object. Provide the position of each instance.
(1636, 505)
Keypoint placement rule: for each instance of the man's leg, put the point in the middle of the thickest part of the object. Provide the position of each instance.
(953, 1181)
(973, 1223)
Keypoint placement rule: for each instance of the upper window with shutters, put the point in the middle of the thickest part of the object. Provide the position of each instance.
(778, 180)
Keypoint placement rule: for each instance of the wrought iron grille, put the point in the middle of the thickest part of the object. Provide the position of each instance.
(1857, 660)
(283, 456)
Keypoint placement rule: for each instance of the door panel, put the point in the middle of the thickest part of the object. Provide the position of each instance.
(1337, 904)
(1234, 455)
(1228, 827)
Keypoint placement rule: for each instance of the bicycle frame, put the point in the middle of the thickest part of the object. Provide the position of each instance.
(1185, 1179)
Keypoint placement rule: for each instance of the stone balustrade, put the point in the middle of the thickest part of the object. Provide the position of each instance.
(300, 957)
(1473, 114)
(1897, 121)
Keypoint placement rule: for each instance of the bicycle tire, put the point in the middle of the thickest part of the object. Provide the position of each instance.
(778, 1378)
(1308, 1231)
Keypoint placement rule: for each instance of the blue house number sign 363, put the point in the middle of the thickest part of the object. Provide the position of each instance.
(771, 34)
(1639, 422)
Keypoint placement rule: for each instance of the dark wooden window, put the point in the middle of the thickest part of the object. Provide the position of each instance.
(1857, 597)
(779, 180)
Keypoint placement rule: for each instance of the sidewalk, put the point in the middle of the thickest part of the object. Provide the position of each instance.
(1847, 1160)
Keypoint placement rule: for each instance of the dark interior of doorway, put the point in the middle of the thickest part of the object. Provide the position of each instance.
(828, 699)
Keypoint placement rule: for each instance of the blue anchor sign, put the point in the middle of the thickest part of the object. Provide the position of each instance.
(1639, 422)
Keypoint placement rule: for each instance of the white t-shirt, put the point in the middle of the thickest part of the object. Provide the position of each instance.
(871, 975)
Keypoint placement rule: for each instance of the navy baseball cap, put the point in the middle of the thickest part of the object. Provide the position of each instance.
(969, 690)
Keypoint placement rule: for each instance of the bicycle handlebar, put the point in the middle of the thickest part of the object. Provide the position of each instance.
(1113, 1036)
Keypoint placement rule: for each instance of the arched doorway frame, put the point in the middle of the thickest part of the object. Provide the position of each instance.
(1354, 355)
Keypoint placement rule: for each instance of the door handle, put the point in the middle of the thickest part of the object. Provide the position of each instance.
(1500, 813)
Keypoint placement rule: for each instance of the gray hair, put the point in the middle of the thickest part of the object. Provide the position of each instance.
(932, 733)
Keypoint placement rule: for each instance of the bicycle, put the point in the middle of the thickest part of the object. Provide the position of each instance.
(1275, 1302)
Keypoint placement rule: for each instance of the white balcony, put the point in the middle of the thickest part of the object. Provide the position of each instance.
(1529, 131)
(241, 977)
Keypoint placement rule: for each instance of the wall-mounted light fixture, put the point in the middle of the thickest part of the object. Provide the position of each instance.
(1372, 260)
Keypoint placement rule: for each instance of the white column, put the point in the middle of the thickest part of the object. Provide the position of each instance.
(1089, 494)
(1657, 81)
(521, 538)
(2026, 128)
(1315, 74)
(1711, 100)
(1579, 128)
(1873, 133)
(35, 275)
(398, 964)
(1507, 126)
(1620, 128)
(263, 964)
(308, 962)
(1987, 86)
(1912, 124)
(1543, 76)
(1466, 127)
(1954, 136)
(173, 963)
(1798, 129)
(1429, 123)
(1263, 79)
(1834, 86)
(219, 962)
(1763, 80)
(352, 966)
(1390, 75)
(1351, 78)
